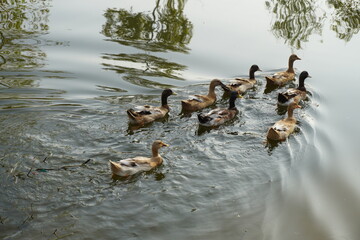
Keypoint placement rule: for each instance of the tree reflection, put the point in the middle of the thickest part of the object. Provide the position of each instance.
(21, 23)
(295, 20)
(346, 18)
(147, 66)
(164, 29)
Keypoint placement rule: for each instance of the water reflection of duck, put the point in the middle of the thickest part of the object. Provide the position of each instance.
(294, 94)
(131, 166)
(283, 128)
(241, 85)
(219, 116)
(280, 78)
(146, 114)
(198, 102)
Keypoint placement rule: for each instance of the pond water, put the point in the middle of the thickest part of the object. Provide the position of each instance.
(70, 69)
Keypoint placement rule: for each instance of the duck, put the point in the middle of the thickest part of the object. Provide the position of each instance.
(241, 85)
(283, 128)
(131, 166)
(294, 94)
(147, 114)
(219, 116)
(198, 102)
(281, 78)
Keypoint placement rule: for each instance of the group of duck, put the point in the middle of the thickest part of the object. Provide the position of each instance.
(143, 115)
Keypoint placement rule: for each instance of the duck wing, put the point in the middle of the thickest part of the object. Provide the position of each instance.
(215, 117)
(135, 162)
(291, 92)
(280, 127)
(197, 98)
(146, 110)
(129, 162)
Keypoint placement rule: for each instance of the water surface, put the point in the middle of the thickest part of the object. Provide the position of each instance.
(69, 70)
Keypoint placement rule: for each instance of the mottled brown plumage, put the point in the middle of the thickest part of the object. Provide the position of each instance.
(146, 114)
(283, 128)
(219, 116)
(294, 94)
(131, 166)
(198, 102)
(241, 85)
(281, 78)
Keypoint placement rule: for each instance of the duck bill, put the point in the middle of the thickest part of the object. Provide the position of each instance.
(165, 145)
(225, 87)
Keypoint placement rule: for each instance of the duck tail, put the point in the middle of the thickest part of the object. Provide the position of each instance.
(186, 105)
(115, 167)
(282, 98)
(272, 134)
(203, 119)
(131, 113)
(269, 80)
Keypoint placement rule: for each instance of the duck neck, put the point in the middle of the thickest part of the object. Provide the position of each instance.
(301, 86)
(164, 102)
(232, 103)
(155, 152)
(290, 112)
(291, 66)
(252, 74)
(212, 91)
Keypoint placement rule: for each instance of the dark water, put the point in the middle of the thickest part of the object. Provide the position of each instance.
(69, 70)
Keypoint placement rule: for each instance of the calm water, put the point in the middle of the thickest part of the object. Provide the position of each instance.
(70, 69)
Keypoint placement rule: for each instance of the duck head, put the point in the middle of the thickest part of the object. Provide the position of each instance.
(159, 144)
(168, 92)
(294, 57)
(217, 82)
(304, 75)
(254, 68)
(293, 106)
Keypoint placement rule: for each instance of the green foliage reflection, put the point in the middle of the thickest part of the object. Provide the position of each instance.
(21, 24)
(296, 20)
(147, 65)
(346, 18)
(164, 29)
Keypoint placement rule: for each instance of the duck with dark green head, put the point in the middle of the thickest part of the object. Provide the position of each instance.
(241, 85)
(219, 116)
(294, 94)
(146, 114)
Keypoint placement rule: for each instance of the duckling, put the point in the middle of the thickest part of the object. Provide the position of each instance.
(294, 94)
(281, 78)
(198, 102)
(219, 116)
(146, 114)
(131, 166)
(283, 128)
(241, 85)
